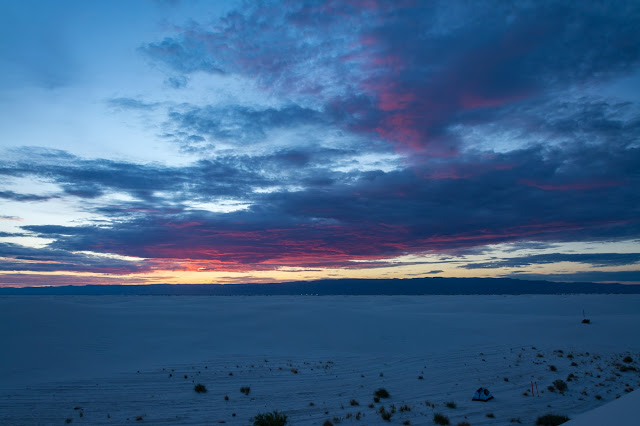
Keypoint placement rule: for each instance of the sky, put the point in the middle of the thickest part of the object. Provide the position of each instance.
(185, 141)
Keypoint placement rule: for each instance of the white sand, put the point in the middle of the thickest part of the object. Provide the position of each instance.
(61, 353)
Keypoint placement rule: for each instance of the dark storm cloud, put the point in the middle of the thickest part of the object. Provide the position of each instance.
(594, 259)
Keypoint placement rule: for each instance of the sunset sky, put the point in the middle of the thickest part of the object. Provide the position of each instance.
(194, 141)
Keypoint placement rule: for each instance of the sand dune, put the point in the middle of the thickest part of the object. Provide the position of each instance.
(114, 360)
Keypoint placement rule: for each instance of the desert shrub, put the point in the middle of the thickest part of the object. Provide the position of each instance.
(627, 359)
(551, 420)
(506, 379)
(440, 419)
(598, 397)
(139, 419)
(200, 388)
(451, 404)
(69, 420)
(551, 389)
(376, 399)
(381, 393)
(245, 390)
(464, 424)
(420, 378)
(404, 408)
(586, 321)
(406, 422)
(353, 402)
(515, 420)
(553, 368)
(490, 415)
(327, 423)
(574, 364)
(625, 368)
(386, 415)
(270, 419)
(560, 385)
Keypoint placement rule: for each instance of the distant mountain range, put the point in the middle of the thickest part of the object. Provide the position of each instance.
(415, 286)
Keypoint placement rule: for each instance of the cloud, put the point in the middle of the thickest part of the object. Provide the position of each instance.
(11, 218)
(10, 195)
(406, 72)
(333, 218)
(20, 258)
(237, 125)
(131, 103)
(594, 259)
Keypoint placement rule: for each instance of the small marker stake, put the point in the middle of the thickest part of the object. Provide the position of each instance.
(537, 390)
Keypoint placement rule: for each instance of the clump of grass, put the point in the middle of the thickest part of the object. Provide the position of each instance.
(553, 368)
(327, 423)
(450, 404)
(376, 399)
(420, 378)
(353, 402)
(570, 377)
(200, 388)
(69, 420)
(598, 397)
(586, 321)
(627, 359)
(404, 408)
(625, 368)
(464, 424)
(406, 422)
(490, 415)
(440, 419)
(506, 379)
(139, 419)
(245, 390)
(270, 419)
(515, 420)
(551, 420)
(574, 364)
(381, 393)
(560, 385)
(294, 370)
